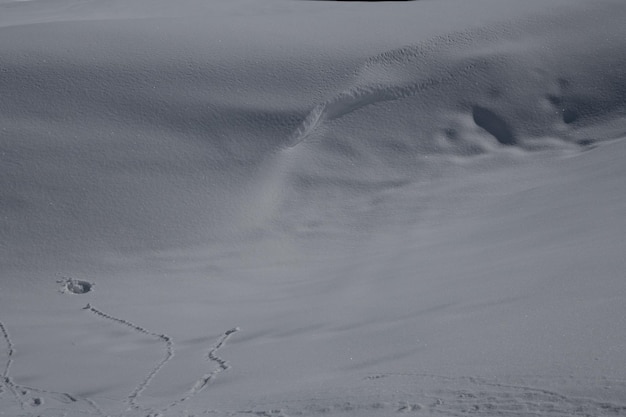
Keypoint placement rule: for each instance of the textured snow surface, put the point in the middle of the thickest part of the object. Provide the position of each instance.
(303, 208)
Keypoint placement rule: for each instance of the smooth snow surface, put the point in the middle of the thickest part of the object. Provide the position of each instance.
(303, 208)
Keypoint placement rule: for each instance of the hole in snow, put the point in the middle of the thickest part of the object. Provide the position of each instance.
(494, 125)
(75, 286)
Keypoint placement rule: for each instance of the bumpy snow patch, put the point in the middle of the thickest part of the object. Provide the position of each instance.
(75, 286)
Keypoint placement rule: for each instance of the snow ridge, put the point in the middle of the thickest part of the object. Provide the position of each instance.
(359, 97)
(483, 65)
(391, 76)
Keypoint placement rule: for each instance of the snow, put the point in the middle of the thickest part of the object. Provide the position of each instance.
(293, 207)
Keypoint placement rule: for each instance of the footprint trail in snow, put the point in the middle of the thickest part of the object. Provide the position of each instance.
(22, 393)
(6, 379)
(211, 356)
(169, 353)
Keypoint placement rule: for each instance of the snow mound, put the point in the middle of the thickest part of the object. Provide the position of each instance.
(508, 79)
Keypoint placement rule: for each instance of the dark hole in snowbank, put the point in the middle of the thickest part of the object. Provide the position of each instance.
(569, 116)
(586, 142)
(494, 125)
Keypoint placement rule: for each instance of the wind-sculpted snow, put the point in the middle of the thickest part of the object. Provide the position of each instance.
(410, 207)
(500, 76)
(528, 85)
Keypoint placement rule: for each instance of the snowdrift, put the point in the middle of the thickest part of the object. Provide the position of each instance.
(307, 207)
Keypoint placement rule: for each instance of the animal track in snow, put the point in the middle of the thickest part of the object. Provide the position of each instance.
(10, 350)
(211, 356)
(166, 340)
(22, 393)
(6, 379)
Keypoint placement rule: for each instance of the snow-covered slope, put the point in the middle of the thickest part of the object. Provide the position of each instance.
(304, 207)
